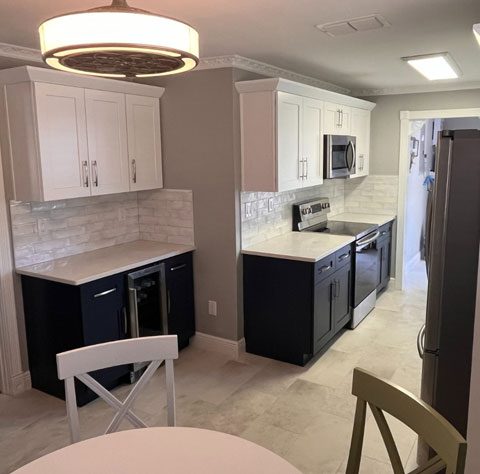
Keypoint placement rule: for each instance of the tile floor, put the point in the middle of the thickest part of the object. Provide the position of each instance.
(303, 414)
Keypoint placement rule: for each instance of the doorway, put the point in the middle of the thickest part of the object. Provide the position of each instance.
(458, 118)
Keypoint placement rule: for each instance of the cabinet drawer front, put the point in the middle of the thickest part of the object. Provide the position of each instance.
(324, 267)
(343, 256)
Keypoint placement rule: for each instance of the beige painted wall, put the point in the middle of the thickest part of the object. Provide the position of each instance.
(201, 152)
(385, 126)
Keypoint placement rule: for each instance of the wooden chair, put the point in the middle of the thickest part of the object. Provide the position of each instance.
(432, 428)
(78, 362)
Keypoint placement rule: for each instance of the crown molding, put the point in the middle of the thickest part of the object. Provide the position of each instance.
(19, 52)
(265, 69)
(422, 89)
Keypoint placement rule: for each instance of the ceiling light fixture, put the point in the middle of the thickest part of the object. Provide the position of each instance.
(434, 66)
(476, 31)
(118, 41)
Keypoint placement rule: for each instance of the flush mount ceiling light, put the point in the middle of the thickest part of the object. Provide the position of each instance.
(118, 41)
(476, 31)
(434, 66)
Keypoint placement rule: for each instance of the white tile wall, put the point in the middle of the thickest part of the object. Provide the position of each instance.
(374, 194)
(263, 225)
(166, 216)
(43, 231)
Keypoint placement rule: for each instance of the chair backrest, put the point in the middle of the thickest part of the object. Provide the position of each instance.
(384, 396)
(78, 362)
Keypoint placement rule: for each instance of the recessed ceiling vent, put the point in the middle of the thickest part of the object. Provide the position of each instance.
(346, 27)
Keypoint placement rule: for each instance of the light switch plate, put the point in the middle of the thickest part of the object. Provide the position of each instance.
(248, 209)
(212, 308)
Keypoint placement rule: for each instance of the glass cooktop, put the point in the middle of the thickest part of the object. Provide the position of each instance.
(355, 229)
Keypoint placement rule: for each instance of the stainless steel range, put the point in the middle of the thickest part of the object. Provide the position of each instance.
(311, 216)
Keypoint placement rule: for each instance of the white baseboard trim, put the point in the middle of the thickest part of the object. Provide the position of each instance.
(227, 347)
(413, 261)
(20, 383)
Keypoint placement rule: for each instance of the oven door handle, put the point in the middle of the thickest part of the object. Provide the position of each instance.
(362, 242)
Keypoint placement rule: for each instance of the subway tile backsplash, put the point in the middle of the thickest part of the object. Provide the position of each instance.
(263, 225)
(43, 231)
(372, 194)
(166, 216)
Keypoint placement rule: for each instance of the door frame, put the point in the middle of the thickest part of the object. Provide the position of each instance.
(406, 116)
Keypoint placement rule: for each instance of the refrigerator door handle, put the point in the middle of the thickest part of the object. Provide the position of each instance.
(428, 230)
(421, 342)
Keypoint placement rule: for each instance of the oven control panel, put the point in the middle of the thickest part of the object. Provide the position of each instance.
(307, 213)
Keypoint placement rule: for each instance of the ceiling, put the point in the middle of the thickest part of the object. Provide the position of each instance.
(283, 33)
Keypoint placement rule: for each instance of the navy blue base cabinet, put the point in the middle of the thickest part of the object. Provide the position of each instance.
(61, 317)
(294, 310)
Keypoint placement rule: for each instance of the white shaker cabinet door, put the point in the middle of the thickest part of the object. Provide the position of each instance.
(312, 142)
(62, 140)
(144, 142)
(361, 130)
(290, 165)
(337, 119)
(107, 141)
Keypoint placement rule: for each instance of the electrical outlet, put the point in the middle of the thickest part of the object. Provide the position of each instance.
(248, 209)
(270, 205)
(212, 308)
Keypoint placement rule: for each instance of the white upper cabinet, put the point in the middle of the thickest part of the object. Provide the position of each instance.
(281, 141)
(66, 136)
(144, 142)
(312, 141)
(107, 141)
(337, 119)
(62, 144)
(361, 130)
(289, 135)
(283, 124)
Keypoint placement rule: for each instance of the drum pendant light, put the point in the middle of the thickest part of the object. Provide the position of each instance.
(118, 41)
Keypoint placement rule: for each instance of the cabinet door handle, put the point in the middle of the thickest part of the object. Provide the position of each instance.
(324, 268)
(105, 293)
(178, 267)
(300, 168)
(341, 115)
(134, 170)
(125, 329)
(343, 257)
(95, 173)
(338, 118)
(306, 167)
(85, 173)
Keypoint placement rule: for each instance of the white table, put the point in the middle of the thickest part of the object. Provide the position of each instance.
(161, 450)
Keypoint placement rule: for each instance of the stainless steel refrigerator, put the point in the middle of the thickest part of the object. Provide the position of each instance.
(453, 234)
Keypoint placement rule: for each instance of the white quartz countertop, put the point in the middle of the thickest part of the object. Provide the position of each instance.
(89, 266)
(303, 246)
(379, 219)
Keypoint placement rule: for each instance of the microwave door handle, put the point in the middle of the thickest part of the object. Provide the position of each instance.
(352, 147)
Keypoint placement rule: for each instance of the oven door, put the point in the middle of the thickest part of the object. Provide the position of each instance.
(340, 156)
(366, 267)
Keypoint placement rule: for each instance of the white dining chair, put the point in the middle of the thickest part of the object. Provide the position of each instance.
(78, 362)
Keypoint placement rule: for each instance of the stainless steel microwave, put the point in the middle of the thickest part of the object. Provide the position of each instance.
(340, 156)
